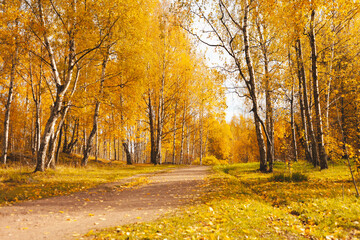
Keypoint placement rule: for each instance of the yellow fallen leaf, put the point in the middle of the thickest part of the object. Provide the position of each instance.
(91, 215)
(138, 217)
(61, 211)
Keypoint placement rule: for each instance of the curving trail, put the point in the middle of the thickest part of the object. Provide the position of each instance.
(68, 217)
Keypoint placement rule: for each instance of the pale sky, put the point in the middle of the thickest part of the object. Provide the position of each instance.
(234, 103)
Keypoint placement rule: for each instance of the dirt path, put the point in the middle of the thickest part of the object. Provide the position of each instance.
(71, 216)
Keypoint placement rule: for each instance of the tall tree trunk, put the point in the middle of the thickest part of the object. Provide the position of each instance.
(61, 90)
(97, 145)
(342, 122)
(269, 121)
(110, 150)
(58, 146)
(252, 90)
(127, 152)
(89, 144)
(182, 135)
(152, 131)
(48, 133)
(7, 108)
(68, 146)
(115, 150)
(329, 85)
(201, 130)
(305, 137)
(36, 95)
(269, 117)
(309, 125)
(50, 157)
(37, 124)
(52, 145)
(318, 121)
(174, 136)
(187, 145)
(193, 145)
(161, 116)
(292, 120)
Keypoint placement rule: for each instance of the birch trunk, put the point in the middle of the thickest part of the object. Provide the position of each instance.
(309, 125)
(182, 135)
(61, 90)
(318, 121)
(152, 131)
(36, 95)
(269, 117)
(269, 121)
(252, 90)
(305, 138)
(127, 152)
(292, 120)
(7, 108)
(174, 136)
(201, 135)
(89, 144)
(52, 145)
(161, 116)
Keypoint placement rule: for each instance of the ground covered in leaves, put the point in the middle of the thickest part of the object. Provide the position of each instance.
(296, 202)
(19, 183)
(143, 197)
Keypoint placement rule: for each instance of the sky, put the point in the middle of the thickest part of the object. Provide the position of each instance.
(235, 105)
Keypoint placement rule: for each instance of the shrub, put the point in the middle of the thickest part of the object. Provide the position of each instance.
(294, 177)
(209, 160)
(228, 168)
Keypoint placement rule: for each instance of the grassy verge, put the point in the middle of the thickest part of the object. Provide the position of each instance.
(20, 183)
(241, 203)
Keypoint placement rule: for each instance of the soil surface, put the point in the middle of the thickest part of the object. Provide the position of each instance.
(69, 217)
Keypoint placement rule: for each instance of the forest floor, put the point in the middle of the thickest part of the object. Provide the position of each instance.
(297, 201)
(140, 198)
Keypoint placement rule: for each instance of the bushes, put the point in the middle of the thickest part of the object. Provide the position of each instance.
(294, 177)
(226, 169)
(209, 160)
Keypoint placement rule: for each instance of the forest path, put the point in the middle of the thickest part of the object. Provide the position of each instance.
(68, 217)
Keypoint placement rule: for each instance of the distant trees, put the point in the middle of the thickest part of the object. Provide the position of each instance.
(106, 79)
(122, 80)
(291, 59)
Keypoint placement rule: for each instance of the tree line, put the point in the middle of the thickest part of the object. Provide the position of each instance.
(117, 80)
(296, 63)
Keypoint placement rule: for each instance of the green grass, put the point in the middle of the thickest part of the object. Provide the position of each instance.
(290, 177)
(20, 183)
(240, 203)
